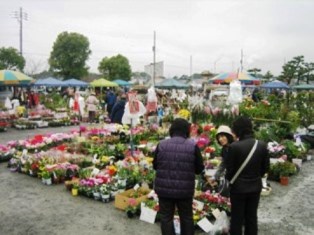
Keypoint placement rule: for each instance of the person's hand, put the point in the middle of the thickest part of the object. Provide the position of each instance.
(211, 181)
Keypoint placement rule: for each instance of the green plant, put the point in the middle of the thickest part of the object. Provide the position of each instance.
(283, 169)
(292, 150)
(46, 174)
(105, 189)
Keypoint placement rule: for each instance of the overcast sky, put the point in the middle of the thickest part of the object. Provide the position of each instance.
(210, 32)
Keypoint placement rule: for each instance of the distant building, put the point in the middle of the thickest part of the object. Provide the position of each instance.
(159, 69)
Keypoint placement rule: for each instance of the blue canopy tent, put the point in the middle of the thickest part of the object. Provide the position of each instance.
(276, 84)
(121, 82)
(50, 82)
(76, 83)
(171, 83)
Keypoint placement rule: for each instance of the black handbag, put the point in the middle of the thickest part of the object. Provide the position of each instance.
(224, 184)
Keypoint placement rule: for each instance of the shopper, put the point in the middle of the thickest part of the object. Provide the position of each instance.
(118, 110)
(176, 162)
(92, 103)
(224, 137)
(245, 191)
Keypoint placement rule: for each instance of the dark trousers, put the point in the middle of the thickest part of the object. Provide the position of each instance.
(91, 116)
(244, 212)
(167, 208)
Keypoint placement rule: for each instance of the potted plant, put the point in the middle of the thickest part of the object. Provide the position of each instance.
(74, 189)
(132, 208)
(283, 170)
(96, 192)
(105, 192)
(46, 177)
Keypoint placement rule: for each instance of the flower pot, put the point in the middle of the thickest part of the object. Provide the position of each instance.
(48, 181)
(96, 195)
(74, 191)
(130, 214)
(122, 182)
(105, 197)
(284, 180)
(113, 194)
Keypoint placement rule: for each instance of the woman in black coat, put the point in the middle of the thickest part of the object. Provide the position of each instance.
(245, 191)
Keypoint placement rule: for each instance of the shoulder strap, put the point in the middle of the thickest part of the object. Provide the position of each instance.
(244, 163)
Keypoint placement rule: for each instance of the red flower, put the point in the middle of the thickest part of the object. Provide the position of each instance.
(61, 147)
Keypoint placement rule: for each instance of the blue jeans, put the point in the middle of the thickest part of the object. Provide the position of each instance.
(167, 208)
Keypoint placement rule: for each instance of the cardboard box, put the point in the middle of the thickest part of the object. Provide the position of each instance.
(121, 199)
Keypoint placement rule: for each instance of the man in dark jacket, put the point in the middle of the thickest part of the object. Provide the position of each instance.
(118, 110)
(176, 162)
(245, 191)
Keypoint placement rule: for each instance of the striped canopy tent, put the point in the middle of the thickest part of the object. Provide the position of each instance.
(101, 82)
(10, 77)
(244, 78)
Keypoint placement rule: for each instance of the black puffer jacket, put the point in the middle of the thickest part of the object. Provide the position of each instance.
(176, 161)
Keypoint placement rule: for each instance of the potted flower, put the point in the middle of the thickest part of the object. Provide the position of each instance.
(282, 171)
(46, 177)
(132, 208)
(105, 192)
(96, 192)
(74, 189)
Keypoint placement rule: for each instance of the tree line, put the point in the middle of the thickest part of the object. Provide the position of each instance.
(71, 51)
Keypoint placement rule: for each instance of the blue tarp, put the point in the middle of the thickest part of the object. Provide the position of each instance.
(76, 83)
(275, 85)
(50, 82)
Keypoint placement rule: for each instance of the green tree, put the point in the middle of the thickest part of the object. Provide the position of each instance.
(293, 69)
(268, 75)
(309, 72)
(115, 67)
(11, 59)
(254, 71)
(69, 55)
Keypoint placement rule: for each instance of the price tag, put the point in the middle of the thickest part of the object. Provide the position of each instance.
(95, 171)
(136, 187)
(148, 215)
(216, 213)
(199, 205)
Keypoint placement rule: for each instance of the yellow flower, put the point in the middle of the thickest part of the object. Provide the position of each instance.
(95, 138)
(196, 217)
(105, 159)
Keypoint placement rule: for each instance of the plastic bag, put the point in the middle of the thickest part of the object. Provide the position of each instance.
(235, 92)
(221, 224)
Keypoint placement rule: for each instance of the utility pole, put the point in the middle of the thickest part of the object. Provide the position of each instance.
(191, 68)
(154, 50)
(241, 61)
(20, 16)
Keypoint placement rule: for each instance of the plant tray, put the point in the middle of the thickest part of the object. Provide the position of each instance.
(121, 199)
